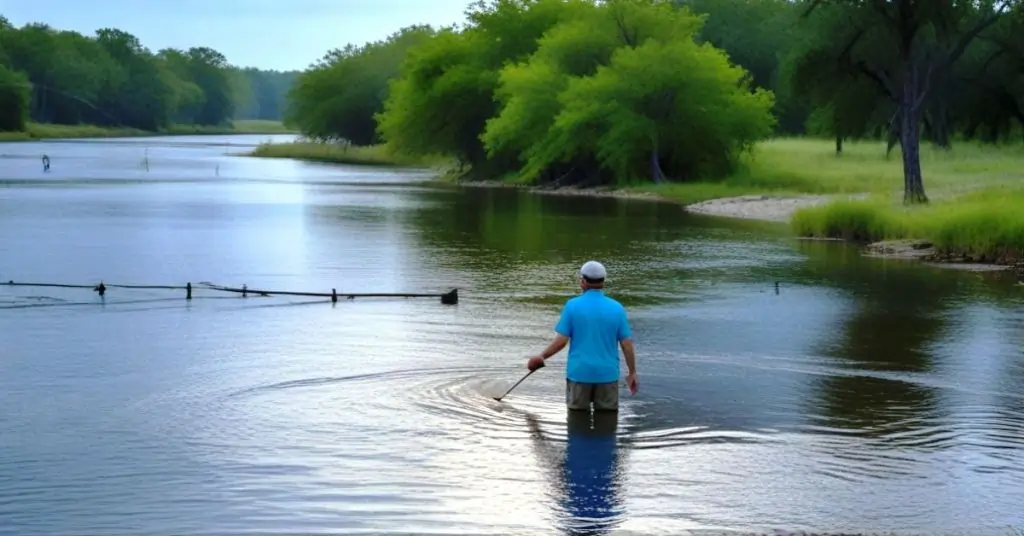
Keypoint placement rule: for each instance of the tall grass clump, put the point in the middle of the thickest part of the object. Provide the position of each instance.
(853, 220)
(984, 226)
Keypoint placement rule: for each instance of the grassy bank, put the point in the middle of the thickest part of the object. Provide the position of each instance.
(41, 131)
(976, 212)
(809, 166)
(986, 226)
(374, 155)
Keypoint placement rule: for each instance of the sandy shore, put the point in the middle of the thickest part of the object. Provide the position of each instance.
(759, 207)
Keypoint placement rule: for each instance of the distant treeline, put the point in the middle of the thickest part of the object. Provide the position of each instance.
(110, 79)
(578, 91)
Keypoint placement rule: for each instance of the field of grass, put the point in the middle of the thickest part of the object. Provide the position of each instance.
(982, 226)
(811, 166)
(976, 211)
(40, 131)
(374, 155)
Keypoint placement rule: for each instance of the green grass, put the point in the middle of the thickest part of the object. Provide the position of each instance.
(41, 131)
(789, 166)
(374, 155)
(983, 226)
(976, 211)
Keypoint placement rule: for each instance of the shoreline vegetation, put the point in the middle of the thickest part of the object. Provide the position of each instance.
(44, 131)
(60, 83)
(707, 103)
(975, 219)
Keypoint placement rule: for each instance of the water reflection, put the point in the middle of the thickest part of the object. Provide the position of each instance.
(586, 478)
(884, 347)
(497, 235)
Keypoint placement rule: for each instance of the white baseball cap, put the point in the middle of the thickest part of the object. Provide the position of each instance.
(593, 270)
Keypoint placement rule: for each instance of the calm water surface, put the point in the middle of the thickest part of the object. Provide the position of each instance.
(859, 395)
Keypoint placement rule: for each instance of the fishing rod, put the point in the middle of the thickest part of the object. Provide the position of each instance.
(498, 398)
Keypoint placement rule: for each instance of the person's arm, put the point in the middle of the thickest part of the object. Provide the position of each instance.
(625, 336)
(563, 331)
(628, 353)
(556, 346)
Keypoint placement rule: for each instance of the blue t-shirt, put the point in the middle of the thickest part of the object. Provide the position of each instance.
(594, 324)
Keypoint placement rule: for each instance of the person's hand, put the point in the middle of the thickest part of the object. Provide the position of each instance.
(632, 384)
(535, 363)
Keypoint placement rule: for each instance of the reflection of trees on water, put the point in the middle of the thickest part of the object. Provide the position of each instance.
(585, 477)
(898, 313)
(497, 234)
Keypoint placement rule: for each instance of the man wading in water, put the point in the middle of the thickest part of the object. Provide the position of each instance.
(596, 325)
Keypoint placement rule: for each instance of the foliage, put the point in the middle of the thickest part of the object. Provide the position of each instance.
(111, 80)
(337, 98)
(596, 94)
(14, 99)
(863, 59)
(586, 92)
(574, 91)
(445, 92)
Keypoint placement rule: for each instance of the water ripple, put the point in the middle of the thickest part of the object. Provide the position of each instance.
(464, 398)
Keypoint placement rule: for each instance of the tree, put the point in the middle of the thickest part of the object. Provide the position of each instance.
(924, 41)
(597, 98)
(757, 35)
(445, 92)
(338, 98)
(14, 99)
(111, 79)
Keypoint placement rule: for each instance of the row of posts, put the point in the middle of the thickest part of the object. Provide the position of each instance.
(102, 290)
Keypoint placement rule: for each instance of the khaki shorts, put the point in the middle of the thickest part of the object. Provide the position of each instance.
(604, 396)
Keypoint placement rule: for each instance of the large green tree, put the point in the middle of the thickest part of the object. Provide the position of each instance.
(598, 101)
(338, 98)
(445, 92)
(909, 50)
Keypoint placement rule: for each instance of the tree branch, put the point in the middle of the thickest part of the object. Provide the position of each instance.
(879, 77)
(927, 84)
(984, 66)
(965, 39)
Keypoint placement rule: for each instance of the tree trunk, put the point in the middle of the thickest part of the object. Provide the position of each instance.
(656, 174)
(910, 142)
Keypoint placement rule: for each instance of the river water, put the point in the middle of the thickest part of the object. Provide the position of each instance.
(854, 395)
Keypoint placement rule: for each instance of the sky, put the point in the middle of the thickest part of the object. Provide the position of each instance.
(268, 34)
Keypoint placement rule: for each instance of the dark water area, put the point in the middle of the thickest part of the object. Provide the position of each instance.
(856, 395)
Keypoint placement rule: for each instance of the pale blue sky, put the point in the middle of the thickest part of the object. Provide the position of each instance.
(269, 34)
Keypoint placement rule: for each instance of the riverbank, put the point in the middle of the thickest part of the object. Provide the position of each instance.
(976, 216)
(42, 131)
(373, 155)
